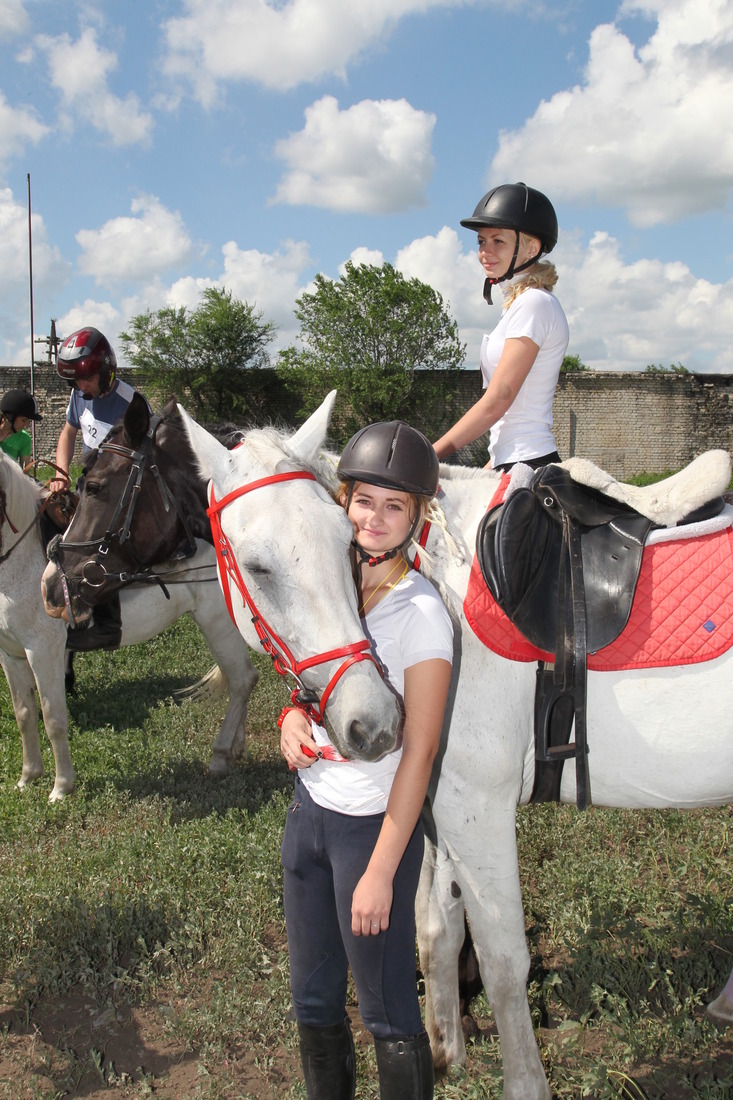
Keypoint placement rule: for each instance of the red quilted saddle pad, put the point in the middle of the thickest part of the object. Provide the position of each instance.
(682, 611)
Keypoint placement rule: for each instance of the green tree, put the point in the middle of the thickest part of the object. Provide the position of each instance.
(201, 355)
(658, 368)
(571, 364)
(366, 335)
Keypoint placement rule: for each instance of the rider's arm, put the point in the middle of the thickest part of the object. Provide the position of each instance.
(64, 455)
(517, 358)
(425, 695)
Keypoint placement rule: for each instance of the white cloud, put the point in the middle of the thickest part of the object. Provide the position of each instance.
(372, 158)
(278, 44)
(151, 241)
(271, 281)
(625, 316)
(18, 128)
(13, 18)
(80, 71)
(50, 273)
(459, 278)
(102, 315)
(649, 129)
(363, 256)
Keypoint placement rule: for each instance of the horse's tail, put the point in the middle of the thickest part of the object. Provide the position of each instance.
(212, 685)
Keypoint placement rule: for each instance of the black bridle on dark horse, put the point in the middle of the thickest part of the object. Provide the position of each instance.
(94, 571)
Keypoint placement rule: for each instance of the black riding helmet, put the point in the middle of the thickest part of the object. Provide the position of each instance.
(522, 209)
(19, 403)
(393, 455)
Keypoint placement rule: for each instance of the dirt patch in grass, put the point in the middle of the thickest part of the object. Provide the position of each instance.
(74, 1047)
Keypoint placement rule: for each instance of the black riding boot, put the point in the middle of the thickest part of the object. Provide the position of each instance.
(104, 632)
(405, 1068)
(328, 1060)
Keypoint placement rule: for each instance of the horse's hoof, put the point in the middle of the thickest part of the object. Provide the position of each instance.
(720, 1011)
(470, 1028)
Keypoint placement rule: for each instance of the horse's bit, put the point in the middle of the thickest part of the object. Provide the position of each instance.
(94, 572)
(282, 658)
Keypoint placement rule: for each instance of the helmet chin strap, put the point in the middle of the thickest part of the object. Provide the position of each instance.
(510, 272)
(368, 559)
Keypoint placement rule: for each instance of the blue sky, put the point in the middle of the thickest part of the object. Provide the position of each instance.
(178, 144)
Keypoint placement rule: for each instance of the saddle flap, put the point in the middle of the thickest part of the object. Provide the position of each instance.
(518, 546)
(522, 557)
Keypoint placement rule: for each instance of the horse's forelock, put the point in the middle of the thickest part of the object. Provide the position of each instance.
(270, 446)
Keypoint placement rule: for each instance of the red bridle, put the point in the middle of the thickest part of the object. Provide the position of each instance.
(282, 658)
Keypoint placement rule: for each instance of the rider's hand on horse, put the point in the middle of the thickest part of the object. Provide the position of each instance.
(296, 740)
(59, 484)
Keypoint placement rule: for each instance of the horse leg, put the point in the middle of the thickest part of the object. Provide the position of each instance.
(23, 697)
(482, 844)
(49, 678)
(230, 651)
(69, 674)
(720, 1010)
(439, 914)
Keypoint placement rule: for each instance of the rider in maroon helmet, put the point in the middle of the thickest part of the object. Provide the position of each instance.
(98, 400)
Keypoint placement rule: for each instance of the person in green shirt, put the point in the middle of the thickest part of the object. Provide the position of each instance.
(18, 408)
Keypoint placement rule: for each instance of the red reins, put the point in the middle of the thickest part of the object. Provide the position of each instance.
(282, 658)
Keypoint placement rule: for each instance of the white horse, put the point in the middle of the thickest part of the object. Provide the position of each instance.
(647, 745)
(275, 578)
(32, 643)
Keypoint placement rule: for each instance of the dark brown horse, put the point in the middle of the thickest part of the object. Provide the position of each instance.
(141, 529)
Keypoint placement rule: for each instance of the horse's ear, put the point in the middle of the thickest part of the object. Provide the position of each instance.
(207, 450)
(309, 439)
(137, 420)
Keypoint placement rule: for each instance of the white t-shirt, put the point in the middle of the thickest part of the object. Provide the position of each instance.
(96, 417)
(525, 429)
(409, 625)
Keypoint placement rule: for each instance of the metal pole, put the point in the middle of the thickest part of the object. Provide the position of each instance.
(30, 275)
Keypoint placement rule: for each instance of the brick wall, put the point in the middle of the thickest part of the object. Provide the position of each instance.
(626, 423)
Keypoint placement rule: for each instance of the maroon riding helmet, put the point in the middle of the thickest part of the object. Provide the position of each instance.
(84, 354)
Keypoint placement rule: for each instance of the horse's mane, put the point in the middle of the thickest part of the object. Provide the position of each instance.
(463, 473)
(23, 494)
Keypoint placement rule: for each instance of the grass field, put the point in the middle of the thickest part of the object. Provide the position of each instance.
(142, 947)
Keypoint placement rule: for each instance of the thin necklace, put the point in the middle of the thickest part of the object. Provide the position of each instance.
(381, 585)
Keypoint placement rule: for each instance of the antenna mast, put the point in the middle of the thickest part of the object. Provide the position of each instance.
(30, 276)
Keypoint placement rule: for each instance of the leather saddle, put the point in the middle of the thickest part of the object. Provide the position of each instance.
(562, 560)
(524, 556)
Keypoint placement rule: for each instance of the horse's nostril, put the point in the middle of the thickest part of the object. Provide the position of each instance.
(368, 745)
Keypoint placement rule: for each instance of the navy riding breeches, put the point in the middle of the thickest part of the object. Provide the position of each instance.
(324, 855)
